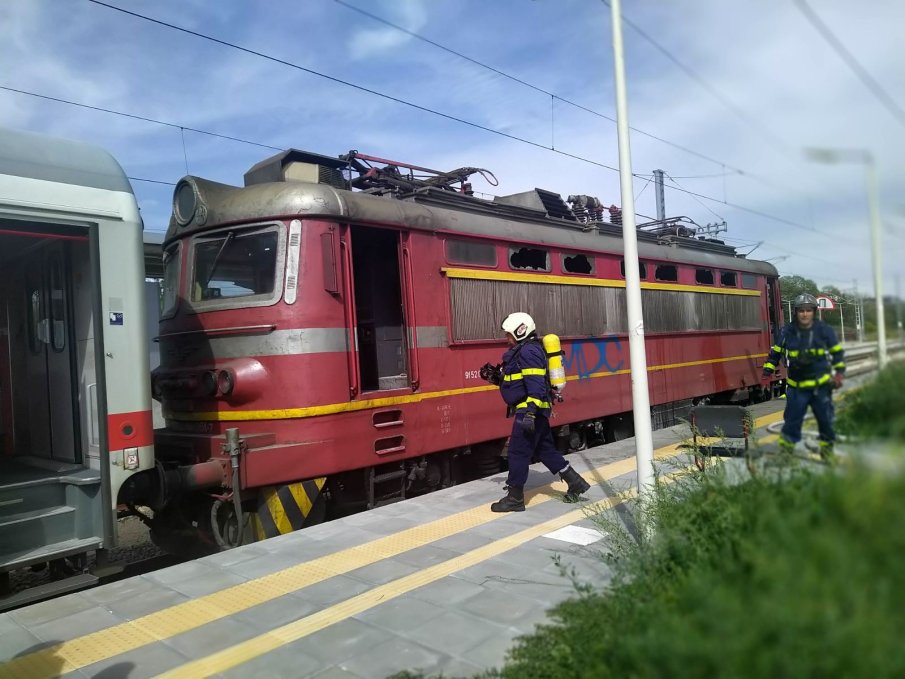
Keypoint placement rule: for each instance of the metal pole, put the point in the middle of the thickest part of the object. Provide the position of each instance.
(644, 445)
(789, 303)
(841, 324)
(873, 199)
(859, 308)
(661, 198)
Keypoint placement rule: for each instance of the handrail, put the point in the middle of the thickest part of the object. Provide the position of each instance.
(349, 313)
(415, 376)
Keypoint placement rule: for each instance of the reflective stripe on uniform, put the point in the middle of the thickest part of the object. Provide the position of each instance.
(836, 348)
(769, 366)
(794, 353)
(535, 401)
(809, 384)
(777, 348)
(840, 365)
(526, 371)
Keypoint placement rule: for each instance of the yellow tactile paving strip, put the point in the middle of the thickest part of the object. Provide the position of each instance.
(82, 651)
(274, 639)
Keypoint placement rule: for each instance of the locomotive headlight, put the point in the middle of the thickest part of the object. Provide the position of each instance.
(225, 382)
(185, 202)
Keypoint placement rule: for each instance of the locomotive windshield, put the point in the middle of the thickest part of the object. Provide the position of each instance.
(234, 264)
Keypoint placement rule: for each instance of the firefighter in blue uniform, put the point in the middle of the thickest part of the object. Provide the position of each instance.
(812, 354)
(522, 378)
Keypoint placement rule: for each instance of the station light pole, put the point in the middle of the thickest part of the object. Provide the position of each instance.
(865, 157)
(644, 445)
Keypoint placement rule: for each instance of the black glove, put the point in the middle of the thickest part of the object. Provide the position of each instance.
(528, 424)
(492, 373)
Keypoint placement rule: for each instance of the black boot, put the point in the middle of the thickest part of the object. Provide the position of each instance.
(577, 485)
(513, 502)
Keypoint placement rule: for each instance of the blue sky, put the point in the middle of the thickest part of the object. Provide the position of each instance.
(779, 87)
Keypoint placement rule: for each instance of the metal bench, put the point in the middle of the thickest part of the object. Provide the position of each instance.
(732, 425)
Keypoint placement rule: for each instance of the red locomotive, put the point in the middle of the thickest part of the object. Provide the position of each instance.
(324, 325)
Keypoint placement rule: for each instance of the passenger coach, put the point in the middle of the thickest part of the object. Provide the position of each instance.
(331, 315)
(75, 407)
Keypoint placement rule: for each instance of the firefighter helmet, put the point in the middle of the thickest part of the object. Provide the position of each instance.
(805, 299)
(519, 324)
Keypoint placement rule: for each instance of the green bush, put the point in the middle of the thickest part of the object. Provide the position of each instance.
(878, 409)
(802, 578)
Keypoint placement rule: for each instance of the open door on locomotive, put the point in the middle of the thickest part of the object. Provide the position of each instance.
(379, 312)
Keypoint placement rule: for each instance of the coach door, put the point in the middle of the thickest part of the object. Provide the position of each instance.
(48, 354)
(379, 314)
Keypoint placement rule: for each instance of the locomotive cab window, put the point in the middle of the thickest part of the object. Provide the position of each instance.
(578, 264)
(703, 276)
(749, 281)
(667, 272)
(729, 279)
(529, 258)
(470, 252)
(642, 269)
(235, 268)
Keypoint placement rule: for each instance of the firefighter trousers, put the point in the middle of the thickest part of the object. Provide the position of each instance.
(797, 401)
(523, 447)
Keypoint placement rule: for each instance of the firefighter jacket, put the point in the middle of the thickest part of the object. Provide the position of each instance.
(525, 386)
(811, 354)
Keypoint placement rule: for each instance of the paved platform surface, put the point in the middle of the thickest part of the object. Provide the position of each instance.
(438, 584)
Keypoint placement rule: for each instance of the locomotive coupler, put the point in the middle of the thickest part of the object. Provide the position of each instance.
(234, 447)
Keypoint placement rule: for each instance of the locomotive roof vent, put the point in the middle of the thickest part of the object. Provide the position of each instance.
(298, 166)
(543, 201)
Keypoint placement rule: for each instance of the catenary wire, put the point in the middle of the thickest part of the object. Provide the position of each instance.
(723, 99)
(559, 97)
(426, 109)
(136, 117)
(869, 81)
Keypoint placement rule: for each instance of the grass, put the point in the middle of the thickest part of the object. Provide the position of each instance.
(801, 578)
(877, 410)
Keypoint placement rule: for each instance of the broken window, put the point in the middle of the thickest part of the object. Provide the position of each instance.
(529, 258)
(577, 264)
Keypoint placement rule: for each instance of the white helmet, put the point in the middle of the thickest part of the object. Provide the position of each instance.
(520, 325)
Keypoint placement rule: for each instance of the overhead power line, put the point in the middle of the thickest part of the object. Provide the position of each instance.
(136, 117)
(426, 109)
(752, 122)
(869, 81)
(536, 88)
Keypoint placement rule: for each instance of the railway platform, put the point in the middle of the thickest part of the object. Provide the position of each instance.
(434, 584)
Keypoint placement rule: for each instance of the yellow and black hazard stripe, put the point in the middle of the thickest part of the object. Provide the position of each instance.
(283, 509)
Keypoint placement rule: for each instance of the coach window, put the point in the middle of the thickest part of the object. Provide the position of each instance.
(529, 258)
(667, 272)
(172, 265)
(749, 281)
(729, 279)
(470, 252)
(642, 269)
(577, 264)
(703, 276)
